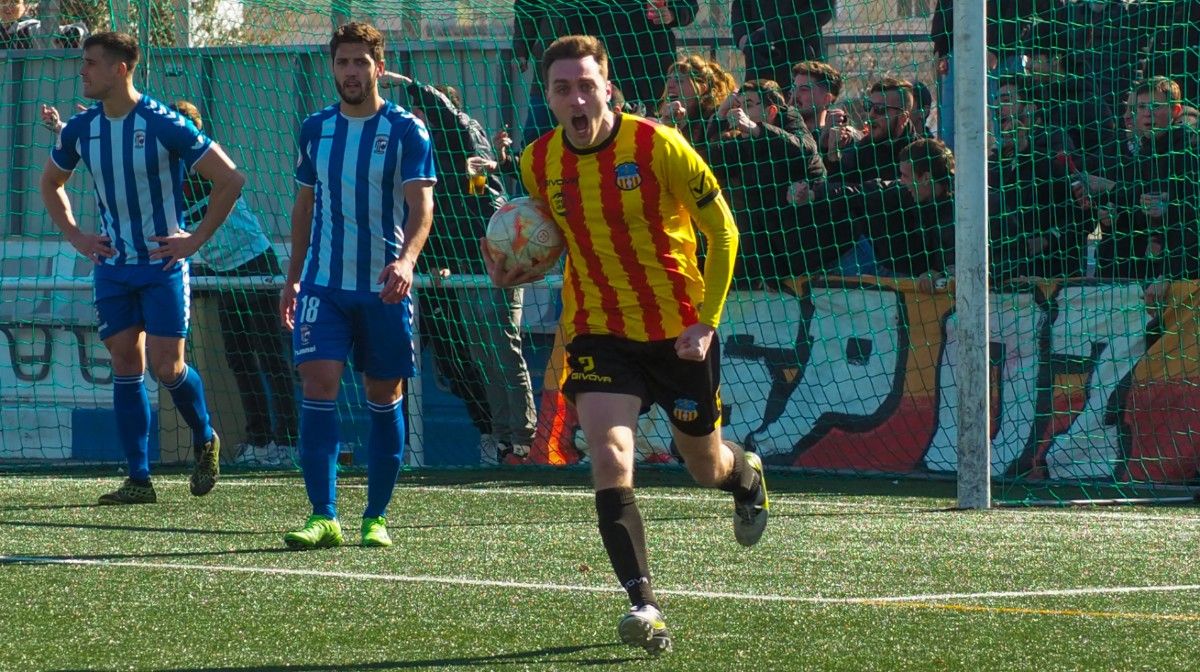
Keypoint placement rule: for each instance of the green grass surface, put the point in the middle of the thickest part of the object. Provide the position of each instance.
(504, 570)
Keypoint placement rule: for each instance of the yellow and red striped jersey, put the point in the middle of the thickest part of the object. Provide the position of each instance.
(629, 208)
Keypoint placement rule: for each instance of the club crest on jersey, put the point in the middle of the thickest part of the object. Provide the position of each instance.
(686, 410)
(305, 334)
(139, 139)
(628, 177)
(381, 143)
(558, 203)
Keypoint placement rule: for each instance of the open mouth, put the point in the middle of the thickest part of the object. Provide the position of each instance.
(580, 123)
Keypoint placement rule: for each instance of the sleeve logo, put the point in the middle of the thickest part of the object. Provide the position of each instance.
(701, 184)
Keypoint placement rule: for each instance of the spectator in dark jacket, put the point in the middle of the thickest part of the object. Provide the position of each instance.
(20, 30)
(1104, 39)
(889, 130)
(909, 222)
(913, 230)
(1008, 25)
(815, 88)
(475, 329)
(758, 147)
(1069, 103)
(773, 35)
(1037, 230)
(1149, 216)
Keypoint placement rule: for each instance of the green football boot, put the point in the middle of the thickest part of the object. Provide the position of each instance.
(318, 532)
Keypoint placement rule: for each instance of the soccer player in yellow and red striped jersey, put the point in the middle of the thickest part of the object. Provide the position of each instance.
(639, 315)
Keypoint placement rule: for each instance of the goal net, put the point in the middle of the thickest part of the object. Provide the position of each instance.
(830, 128)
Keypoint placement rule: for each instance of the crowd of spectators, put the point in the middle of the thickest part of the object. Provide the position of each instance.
(1094, 167)
(1093, 140)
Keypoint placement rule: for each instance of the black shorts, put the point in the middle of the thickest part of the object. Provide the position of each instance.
(687, 390)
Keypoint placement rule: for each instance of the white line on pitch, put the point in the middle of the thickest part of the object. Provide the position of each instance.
(490, 583)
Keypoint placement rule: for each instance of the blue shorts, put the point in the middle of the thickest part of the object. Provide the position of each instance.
(334, 323)
(143, 295)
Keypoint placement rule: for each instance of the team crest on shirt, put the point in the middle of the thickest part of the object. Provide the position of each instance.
(628, 177)
(305, 334)
(381, 143)
(558, 203)
(139, 139)
(686, 410)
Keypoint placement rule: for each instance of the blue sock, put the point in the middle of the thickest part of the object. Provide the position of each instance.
(385, 446)
(188, 394)
(132, 408)
(318, 454)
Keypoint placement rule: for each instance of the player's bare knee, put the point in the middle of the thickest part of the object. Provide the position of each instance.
(318, 387)
(166, 370)
(127, 363)
(384, 391)
(611, 467)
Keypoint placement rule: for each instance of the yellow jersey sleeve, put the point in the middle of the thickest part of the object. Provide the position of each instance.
(693, 184)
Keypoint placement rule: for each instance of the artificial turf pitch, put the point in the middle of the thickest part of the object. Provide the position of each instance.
(504, 570)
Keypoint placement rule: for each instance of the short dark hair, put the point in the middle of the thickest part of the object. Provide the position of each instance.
(930, 157)
(120, 47)
(358, 32)
(574, 46)
(895, 84)
(829, 77)
(767, 89)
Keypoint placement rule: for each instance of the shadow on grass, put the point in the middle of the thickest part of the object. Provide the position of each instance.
(655, 476)
(128, 528)
(50, 507)
(554, 657)
(67, 559)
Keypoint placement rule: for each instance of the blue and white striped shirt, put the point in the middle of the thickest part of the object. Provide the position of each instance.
(357, 168)
(137, 163)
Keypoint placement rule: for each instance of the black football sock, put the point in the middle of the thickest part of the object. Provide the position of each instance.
(742, 482)
(625, 540)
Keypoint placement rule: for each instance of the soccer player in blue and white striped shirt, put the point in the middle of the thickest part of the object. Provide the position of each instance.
(137, 151)
(364, 205)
